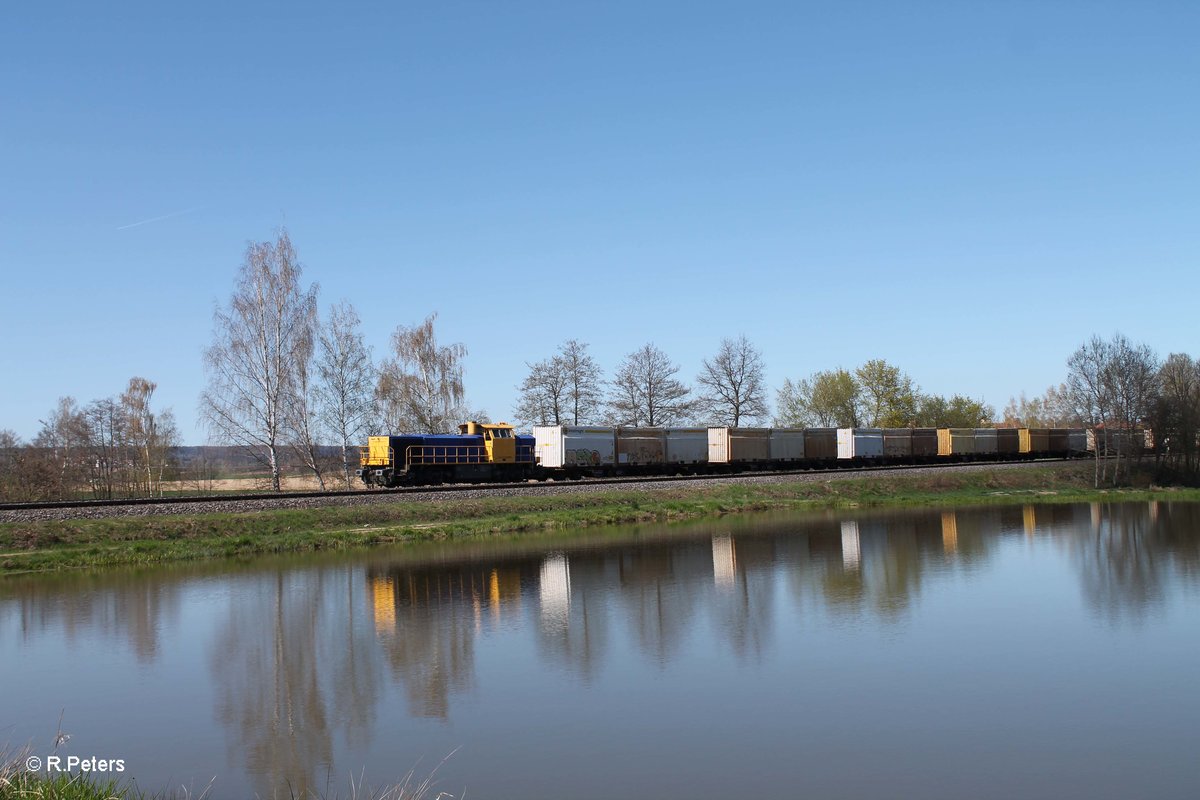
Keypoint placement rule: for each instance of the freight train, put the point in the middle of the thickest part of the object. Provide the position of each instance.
(486, 452)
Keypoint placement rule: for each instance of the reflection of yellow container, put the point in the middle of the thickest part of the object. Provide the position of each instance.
(949, 531)
(1029, 517)
(383, 603)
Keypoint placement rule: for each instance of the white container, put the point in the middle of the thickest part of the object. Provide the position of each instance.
(860, 443)
(559, 446)
(786, 444)
(687, 445)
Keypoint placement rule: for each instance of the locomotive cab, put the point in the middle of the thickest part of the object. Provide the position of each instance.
(499, 442)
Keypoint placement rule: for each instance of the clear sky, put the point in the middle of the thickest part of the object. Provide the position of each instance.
(966, 189)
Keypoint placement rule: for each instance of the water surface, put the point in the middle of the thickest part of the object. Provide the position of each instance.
(1047, 651)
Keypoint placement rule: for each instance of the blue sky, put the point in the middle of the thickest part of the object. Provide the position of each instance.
(968, 190)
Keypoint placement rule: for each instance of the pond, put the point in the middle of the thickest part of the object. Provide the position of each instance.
(1037, 651)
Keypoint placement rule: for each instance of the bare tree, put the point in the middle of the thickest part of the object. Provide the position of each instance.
(584, 379)
(150, 436)
(566, 388)
(1090, 388)
(346, 380)
(420, 387)
(63, 443)
(1055, 409)
(733, 384)
(1132, 375)
(543, 396)
(300, 412)
(258, 342)
(1179, 402)
(12, 462)
(107, 452)
(646, 392)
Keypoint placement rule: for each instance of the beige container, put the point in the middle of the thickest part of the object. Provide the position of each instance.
(820, 444)
(730, 445)
(986, 441)
(924, 442)
(786, 444)
(956, 441)
(897, 442)
(640, 446)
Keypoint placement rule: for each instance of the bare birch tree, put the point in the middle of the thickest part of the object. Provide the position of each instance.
(150, 435)
(646, 392)
(543, 397)
(733, 390)
(258, 341)
(346, 381)
(420, 388)
(300, 412)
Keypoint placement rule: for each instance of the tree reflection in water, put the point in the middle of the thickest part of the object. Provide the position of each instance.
(302, 657)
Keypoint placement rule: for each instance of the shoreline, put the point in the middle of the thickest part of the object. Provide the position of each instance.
(53, 545)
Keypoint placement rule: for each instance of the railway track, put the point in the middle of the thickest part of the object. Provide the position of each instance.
(266, 499)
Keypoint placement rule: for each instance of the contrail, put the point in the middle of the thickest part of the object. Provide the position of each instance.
(157, 219)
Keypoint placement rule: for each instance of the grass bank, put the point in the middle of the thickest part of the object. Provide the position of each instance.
(37, 546)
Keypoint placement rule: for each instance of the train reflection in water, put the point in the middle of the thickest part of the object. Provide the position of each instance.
(304, 662)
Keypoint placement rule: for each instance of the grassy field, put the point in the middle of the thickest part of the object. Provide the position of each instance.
(39, 546)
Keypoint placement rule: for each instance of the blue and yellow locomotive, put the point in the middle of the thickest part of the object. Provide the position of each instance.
(480, 452)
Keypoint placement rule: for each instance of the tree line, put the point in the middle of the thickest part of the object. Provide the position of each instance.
(1116, 387)
(113, 447)
(286, 384)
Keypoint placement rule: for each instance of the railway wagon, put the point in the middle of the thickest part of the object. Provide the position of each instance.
(860, 444)
(898, 443)
(986, 442)
(738, 445)
(956, 441)
(786, 444)
(478, 453)
(820, 445)
(925, 443)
